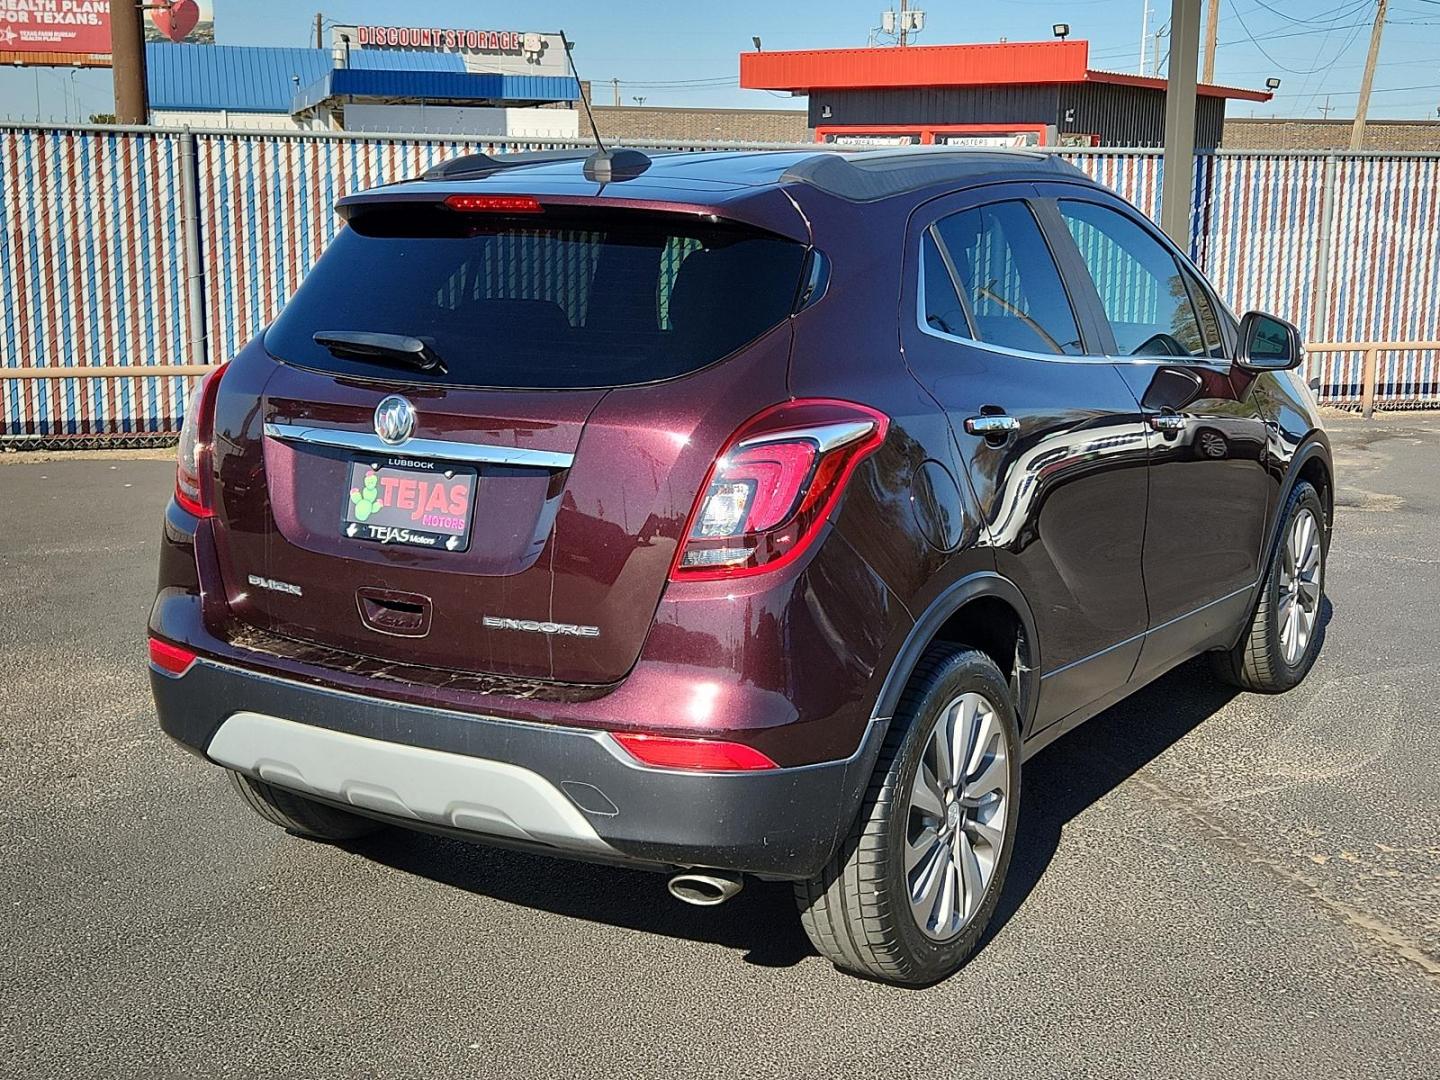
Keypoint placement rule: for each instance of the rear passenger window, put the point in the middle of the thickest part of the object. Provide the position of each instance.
(1010, 279)
(1140, 283)
(943, 310)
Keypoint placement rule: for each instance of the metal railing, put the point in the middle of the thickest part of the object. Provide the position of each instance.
(1370, 367)
(1369, 374)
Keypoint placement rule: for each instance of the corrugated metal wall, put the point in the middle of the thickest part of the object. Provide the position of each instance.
(1131, 116)
(93, 270)
(1128, 116)
(936, 105)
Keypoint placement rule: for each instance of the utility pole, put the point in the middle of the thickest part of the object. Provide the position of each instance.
(1357, 132)
(904, 23)
(1177, 185)
(615, 86)
(319, 30)
(1326, 109)
(127, 61)
(1212, 35)
(1144, 33)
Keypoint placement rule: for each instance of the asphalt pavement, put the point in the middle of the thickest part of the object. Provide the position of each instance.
(1206, 884)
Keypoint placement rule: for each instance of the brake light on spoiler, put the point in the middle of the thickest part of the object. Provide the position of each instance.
(495, 204)
(772, 488)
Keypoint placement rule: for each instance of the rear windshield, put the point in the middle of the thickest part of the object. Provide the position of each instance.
(562, 299)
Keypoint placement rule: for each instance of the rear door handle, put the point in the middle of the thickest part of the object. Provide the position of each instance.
(1170, 423)
(991, 425)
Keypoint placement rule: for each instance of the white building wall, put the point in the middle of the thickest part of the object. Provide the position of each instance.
(223, 118)
(390, 119)
(462, 120)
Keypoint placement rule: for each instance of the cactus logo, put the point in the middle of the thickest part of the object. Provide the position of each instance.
(366, 497)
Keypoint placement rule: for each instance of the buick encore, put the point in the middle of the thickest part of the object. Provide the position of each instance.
(732, 514)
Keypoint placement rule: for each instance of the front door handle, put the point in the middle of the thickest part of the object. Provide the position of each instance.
(1169, 423)
(992, 425)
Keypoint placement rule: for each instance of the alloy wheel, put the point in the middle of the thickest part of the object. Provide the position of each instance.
(955, 825)
(1300, 575)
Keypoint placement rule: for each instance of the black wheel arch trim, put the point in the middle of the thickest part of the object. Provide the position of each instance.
(974, 586)
(1314, 445)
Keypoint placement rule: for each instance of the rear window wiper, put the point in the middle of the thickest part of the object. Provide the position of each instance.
(382, 348)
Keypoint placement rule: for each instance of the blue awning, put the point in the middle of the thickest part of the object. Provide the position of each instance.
(451, 87)
(242, 78)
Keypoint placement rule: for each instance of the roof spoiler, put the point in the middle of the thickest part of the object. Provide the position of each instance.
(601, 166)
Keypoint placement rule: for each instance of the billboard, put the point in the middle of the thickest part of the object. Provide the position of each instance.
(188, 22)
(77, 32)
(54, 26)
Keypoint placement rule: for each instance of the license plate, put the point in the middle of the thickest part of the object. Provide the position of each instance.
(414, 503)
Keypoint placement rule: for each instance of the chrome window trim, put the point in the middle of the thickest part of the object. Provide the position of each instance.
(428, 449)
(1054, 358)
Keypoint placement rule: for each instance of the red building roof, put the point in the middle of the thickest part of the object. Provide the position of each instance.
(1002, 64)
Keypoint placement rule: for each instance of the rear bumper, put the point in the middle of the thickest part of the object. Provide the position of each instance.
(564, 791)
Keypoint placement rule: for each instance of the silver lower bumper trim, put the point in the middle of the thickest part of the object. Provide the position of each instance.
(473, 794)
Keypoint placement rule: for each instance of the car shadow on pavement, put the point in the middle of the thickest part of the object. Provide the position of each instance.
(761, 922)
(1083, 767)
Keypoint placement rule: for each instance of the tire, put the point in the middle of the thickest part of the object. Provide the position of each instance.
(858, 911)
(1267, 660)
(299, 815)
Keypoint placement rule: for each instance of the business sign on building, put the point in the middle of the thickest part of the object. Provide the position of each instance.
(32, 31)
(429, 37)
(506, 51)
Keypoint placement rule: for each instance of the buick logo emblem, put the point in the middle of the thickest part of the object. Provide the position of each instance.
(394, 420)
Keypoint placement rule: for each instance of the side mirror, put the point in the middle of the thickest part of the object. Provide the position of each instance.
(1268, 343)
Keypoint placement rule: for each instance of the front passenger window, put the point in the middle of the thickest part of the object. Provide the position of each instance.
(1139, 282)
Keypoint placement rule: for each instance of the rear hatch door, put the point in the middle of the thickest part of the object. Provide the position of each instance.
(584, 365)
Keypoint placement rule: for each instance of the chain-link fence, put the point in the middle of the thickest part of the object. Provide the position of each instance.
(130, 258)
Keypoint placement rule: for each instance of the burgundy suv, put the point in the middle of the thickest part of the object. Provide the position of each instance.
(732, 514)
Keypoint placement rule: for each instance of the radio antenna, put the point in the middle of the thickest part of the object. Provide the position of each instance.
(584, 100)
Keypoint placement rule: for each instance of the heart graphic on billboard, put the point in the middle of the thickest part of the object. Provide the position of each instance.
(177, 20)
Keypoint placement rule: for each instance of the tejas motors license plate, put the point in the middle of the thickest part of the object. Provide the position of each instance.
(415, 503)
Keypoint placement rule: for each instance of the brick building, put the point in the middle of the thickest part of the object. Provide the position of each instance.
(1280, 134)
(632, 124)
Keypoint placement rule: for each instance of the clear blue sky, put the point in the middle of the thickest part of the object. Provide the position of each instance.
(685, 53)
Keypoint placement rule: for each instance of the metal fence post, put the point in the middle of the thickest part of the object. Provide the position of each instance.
(197, 348)
(1369, 373)
(1320, 283)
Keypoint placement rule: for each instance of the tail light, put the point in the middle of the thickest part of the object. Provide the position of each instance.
(171, 659)
(774, 485)
(197, 434)
(668, 752)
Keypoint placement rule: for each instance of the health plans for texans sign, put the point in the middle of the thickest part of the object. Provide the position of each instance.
(64, 26)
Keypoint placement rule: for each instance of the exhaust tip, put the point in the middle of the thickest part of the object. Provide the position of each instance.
(705, 888)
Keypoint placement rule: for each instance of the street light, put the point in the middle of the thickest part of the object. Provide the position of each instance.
(1272, 83)
(756, 40)
(1061, 30)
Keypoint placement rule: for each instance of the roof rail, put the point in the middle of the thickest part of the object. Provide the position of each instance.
(877, 174)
